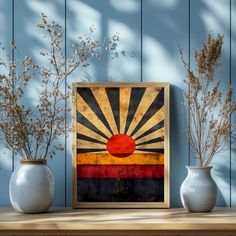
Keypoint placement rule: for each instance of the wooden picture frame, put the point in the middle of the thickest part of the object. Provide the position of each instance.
(141, 149)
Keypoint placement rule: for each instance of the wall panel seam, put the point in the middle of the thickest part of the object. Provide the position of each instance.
(13, 58)
(65, 91)
(189, 59)
(141, 39)
(230, 82)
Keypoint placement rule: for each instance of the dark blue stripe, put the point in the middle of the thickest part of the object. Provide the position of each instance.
(120, 190)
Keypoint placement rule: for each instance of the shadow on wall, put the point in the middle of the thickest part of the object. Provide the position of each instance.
(233, 71)
(110, 17)
(178, 156)
(5, 37)
(233, 155)
(165, 25)
(213, 17)
(5, 155)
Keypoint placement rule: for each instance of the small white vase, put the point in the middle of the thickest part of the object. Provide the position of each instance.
(198, 192)
(32, 187)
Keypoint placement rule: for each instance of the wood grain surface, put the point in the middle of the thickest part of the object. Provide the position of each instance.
(221, 221)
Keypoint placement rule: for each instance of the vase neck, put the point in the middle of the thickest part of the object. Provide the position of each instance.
(198, 170)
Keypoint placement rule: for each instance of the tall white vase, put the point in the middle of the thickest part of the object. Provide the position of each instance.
(32, 187)
(198, 192)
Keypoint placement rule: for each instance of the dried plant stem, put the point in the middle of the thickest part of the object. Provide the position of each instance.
(31, 132)
(209, 117)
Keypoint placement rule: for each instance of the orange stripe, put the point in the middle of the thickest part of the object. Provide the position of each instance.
(107, 159)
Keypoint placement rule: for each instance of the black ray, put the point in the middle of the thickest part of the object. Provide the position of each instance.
(155, 140)
(84, 137)
(84, 121)
(158, 150)
(89, 98)
(114, 99)
(135, 98)
(86, 150)
(155, 106)
(154, 128)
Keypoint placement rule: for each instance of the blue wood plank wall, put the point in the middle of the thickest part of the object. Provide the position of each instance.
(150, 31)
(214, 17)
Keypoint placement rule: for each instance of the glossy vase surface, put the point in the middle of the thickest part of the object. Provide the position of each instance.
(32, 187)
(198, 192)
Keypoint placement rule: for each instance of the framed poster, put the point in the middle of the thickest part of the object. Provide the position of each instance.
(120, 145)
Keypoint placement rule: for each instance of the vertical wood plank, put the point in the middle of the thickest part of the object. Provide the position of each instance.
(233, 120)
(30, 42)
(108, 17)
(213, 17)
(165, 25)
(5, 154)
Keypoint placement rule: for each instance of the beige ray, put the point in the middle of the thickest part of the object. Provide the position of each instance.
(101, 96)
(88, 132)
(87, 112)
(146, 101)
(155, 119)
(90, 145)
(124, 107)
(151, 145)
(156, 134)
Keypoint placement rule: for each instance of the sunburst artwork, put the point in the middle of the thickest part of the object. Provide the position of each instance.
(121, 144)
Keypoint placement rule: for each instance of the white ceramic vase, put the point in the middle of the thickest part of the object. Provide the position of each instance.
(32, 187)
(198, 192)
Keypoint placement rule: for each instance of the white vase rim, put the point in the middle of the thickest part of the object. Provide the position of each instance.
(33, 161)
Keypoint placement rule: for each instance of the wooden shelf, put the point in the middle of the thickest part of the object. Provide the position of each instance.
(221, 221)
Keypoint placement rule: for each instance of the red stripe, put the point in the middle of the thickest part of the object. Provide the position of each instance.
(120, 171)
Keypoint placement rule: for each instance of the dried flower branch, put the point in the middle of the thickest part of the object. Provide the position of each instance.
(32, 132)
(209, 115)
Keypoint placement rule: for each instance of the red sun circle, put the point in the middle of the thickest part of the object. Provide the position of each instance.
(121, 145)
